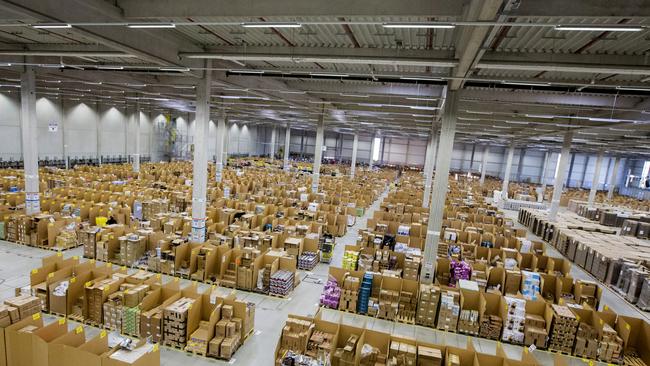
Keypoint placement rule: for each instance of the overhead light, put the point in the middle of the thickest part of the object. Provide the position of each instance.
(329, 75)
(183, 86)
(136, 85)
(5, 64)
(598, 28)
(372, 105)
(518, 122)
(271, 25)
(354, 95)
(51, 25)
(480, 112)
(423, 108)
(247, 71)
(175, 69)
(595, 119)
(422, 99)
(419, 25)
(588, 133)
(524, 83)
(543, 116)
(468, 119)
(292, 92)
(229, 97)
(151, 25)
(500, 127)
(92, 83)
(108, 67)
(633, 88)
(420, 78)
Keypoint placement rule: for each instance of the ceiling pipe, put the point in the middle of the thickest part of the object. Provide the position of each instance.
(66, 53)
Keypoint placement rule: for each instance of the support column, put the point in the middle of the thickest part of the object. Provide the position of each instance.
(99, 136)
(427, 161)
(506, 174)
(136, 155)
(221, 136)
(318, 151)
(355, 147)
(272, 153)
(471, 159)
(287, 143)
(440, 185)
(584, 172)
(372, 149)
(428, 178)
(484, 161)
(595, 180)
(573, 159)
(520, 165)
(542, 175)
(613, 178)
(226, 142)
(561, 176)
(63, 135)
(29, 134)
(200, 163)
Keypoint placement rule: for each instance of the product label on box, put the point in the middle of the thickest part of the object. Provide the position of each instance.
(198, 230)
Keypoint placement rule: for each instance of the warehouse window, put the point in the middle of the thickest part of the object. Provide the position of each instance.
(375, 149)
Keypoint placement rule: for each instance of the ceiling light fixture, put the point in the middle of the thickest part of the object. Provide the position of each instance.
(183, 86)
(5, 64)
(480, 112)
(543, 116)
(175, 69)
(419, 25)
(328, 75)
(354, 95)
(151, 25)
(596, 119)
(423, 108)
(632, 88)
(419, 78)
(422, 99)
(108, 67)
(247, 71)
(598, 28)
(518, 122)
(51, 25)
(271, 25)
(524, 83)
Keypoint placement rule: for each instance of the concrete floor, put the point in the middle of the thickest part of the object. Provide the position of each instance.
(16, 261)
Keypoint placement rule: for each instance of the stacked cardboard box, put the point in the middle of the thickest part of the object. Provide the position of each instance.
(113, 311)
(281, 283)
(308, 260)
(229, 278)
(198, 342)
(201, 258)
(22, 306)
(95, 298)
(349, 294)
(151, 324)
(132, 248)
(586, 342)
(175, 322)
(428, 356)
(228, 333)
(88, 238)
(563, 329)
(428, 305)
(449, 311)
(468, 322)
(345, 356)
(491, 327)
(513, 329)
(610, 348)
(401, 354)
(535, 331)
(131, 321)
(407, 306)
(388, 304)
(411, 268)
(371, 356)
(320, 343)
(295, 335)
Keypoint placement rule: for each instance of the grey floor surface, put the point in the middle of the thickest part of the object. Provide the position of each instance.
(17, 260)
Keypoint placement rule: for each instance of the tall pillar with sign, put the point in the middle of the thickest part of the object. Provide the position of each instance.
(221, 135)
(318, 151)
(200, 163)
(29, 137)
(136, 156)
(287, 143)
(272, 153)
(355, 147)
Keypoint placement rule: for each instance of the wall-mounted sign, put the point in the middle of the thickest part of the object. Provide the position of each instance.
(53, 126)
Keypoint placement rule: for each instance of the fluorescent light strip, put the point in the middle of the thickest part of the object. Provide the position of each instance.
(329, 75)
(418, 78)
(517, 123)
(423, 108)
(479, 112)
(524, 83)
(596, 28)
(354, 95)
(110, 67)
(247, 71)
(632, 88)
(596, 119)
(271, 25)
(543, 116)
(419, 25)
(422, 99)
(51, 25)
(151, 25)
(177, 69)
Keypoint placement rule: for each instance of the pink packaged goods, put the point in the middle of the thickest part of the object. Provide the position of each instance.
(331, 294)
(460, 270)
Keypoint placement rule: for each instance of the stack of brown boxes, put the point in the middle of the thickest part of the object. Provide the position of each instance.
(175, 322)
(228, 334)
(468, 322)
(95, 297)
(132, 248)
(295, 335)
(320, 343)
(151, 324)
(346, 356)
(428, 305)
(372, 356)
(407, 306)
(88, 238)
(411, 268)
(491, 327)
(229, 278)
(113, 311)
(198, 342)
(563, 330)
(535, 331)
(199, 274)
(428, 356)
(449, 311)
(349, 294)
(245, 269)
(388, 304)
(22, 306)
(586, 342)
(401, 354)
(611, 345)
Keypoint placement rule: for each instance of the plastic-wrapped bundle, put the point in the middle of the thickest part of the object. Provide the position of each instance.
(530, 285)
(460, 270)
(331, 294)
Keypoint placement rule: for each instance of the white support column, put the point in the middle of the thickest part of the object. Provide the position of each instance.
(440, 186)
(98, 134)
(200, 163)
(287, 143)
(484, 159)
(221, 136)
(372, 149)
(561, 176)
(613, 178)
(431, 157)
(542, 176)
(64, 134)
(595, 179)
(272, 154)
(427, 153)
(136, 155)
(506, 174)
(318, 152)
(29, 132)
(226, 142)
(355, 147)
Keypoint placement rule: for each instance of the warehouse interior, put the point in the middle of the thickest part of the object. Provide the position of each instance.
(479, 140)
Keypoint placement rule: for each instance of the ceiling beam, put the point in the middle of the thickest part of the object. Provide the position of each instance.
(142, 9)
(591, 8)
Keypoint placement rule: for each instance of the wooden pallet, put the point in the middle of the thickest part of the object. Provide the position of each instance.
(174, 346)
(405, 320)
(279, 295)
(196, 353)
